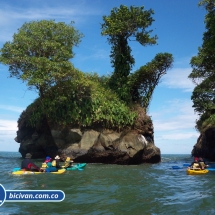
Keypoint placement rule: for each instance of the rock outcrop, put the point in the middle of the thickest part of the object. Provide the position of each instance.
(205, 146)
(90, 145)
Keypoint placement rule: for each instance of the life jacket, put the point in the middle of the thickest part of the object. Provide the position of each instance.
(49, 164)
(54, 163)
(67, 164)
(202, 163)
(195, 165)
(44, 166)
(27, 164)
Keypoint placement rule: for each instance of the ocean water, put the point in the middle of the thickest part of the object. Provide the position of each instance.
(114, 189)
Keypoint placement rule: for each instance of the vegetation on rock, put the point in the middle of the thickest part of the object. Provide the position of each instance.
(124, 24)
(203, 73)
(39, 55)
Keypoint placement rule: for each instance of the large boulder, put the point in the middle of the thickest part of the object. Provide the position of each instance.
(205, 146)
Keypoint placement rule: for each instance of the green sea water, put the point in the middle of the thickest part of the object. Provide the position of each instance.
(114, 189)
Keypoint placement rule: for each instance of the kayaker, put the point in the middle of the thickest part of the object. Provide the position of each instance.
(49, 167)
(202, 163)
(48, 159)
(195, 164)
(28, 164)
(44, 166)
(68, 163)
(56, 162)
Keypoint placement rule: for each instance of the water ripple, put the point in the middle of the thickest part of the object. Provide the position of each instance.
(152, 189)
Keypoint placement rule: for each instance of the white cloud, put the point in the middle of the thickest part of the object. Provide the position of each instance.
(175, 120)
(12, 108)
(172, 124)
(175, 112)
(8, 125)
(178, 78)
(9, 13)
(98, 54)
(11, 18)
(101, 54)
(178, 136)
(42, 13)
(182, 61)
(7, 142)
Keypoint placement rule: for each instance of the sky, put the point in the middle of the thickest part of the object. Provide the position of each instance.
(179, 25)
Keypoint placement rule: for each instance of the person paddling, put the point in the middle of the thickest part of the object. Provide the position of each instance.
(56, 162)
(27, 164)
(195, 164)
(49, 167)
(202, 163)
(68, 163)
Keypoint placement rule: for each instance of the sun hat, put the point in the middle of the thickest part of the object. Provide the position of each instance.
(57, 157)
(28, 155)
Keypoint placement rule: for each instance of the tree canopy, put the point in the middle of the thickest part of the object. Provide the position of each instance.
(203, 73)
(39, 53)
(83, 101)
(121, 26)
(143, 81)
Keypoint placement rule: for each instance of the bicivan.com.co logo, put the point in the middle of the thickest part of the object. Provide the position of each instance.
(30, 195)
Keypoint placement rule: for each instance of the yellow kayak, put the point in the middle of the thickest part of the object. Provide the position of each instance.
(23, 172)
(197, 171)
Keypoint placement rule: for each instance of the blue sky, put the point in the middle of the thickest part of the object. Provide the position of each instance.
(179, 25)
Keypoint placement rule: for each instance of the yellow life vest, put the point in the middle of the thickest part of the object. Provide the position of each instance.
(54, 163)
(67, 164)
(44, 165)
(202, 164)
(196, 165)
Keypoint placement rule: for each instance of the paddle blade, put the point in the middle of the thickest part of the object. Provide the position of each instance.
(16, 169)
(211, 169)
(176, 167)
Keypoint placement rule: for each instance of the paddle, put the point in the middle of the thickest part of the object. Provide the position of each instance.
(176, 167)
(210, 169)
(16, 169)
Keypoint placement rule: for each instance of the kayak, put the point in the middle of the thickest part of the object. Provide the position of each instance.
(79, 166)
(23, 172)
(197, 171)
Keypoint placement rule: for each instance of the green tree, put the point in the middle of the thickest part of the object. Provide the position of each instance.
(203, 96)
(203, 65)
(124, 24)
(39, 53)
(143, 81)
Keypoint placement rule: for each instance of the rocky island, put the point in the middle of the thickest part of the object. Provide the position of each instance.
(85, 116)
(91, 145)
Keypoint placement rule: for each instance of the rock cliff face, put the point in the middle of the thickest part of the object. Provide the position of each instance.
(90, 145)
(205, 146)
